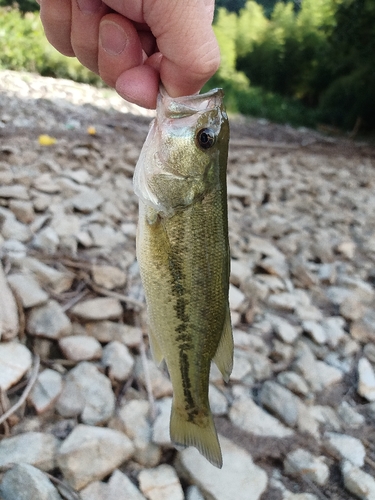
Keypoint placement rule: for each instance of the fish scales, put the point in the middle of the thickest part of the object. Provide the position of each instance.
(183, 254)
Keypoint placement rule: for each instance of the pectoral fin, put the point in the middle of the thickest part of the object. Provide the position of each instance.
(156, 351)
(224, 354)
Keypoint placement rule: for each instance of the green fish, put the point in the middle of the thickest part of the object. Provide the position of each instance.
(183, 254)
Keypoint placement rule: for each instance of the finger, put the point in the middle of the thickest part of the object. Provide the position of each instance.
(56, 19)
(139, 85)
(185, 38)
(120, 47)
(86, 16)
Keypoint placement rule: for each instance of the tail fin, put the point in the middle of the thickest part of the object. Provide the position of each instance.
(204, 438)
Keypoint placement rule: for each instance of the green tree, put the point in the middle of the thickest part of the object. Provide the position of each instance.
(22, 5)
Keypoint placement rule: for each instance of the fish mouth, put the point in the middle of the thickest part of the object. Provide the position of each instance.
(180, 107)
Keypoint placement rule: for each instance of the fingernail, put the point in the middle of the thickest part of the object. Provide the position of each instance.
(89, 6)
(112, 38)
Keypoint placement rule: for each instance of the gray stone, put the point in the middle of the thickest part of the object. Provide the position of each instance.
(160, 383)
(25, 482)
(284, 330)
(280, 401)
(108, 276)
(88, 393)
(28, 290)
(49, 321)
(160, 483)
(91, 453)
(35, 448)
(239, 477)
(15, 361)
(358, 482)
(283, 301)
(315, 331)
(249, 417)
(236, 297)
(87, 201)
(241, 368)
(293, 382)
(117, 358)
(120, 486)
(302, 463)
(98, 309)
(59, 281)
(46, 390)
(23, 210)
(349, 416)
(194, 493)
(366, 380)
(80, 348)
(46, 240)
(334, 330)
(345, 447)
(134, 416)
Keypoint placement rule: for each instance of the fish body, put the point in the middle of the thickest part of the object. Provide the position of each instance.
(183, 254)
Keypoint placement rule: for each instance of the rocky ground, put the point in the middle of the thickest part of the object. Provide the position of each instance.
(84, 412)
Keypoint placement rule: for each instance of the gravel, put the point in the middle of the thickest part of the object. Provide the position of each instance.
(296, 420)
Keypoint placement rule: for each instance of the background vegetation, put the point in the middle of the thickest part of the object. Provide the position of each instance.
(303, 61)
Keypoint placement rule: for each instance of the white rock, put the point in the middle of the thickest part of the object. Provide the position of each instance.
(25, 479)
(134, 416)
(239, 477)
(91, 453)
(23, 210)
(88, 393)
(218, 402)
(9, 324)
(35, 448)
(280, 401)
(15, 361)
(16, 191)
(358, 482)
(49, 321)
(236, 297)
(241, 368)
(46, 390)
(366, 380)
(284, 330)
(346, 447)
(160, 483)
(334, 330)
(315, 330)
(117, 358)
(249, 417)
(108, 276)
(107, 331)
(302, 463)
(28, 289)
(59, 281)
(160, 383)
(283, 301)
(160, 430)
(98, 309)
(80, 348)
(194, 493)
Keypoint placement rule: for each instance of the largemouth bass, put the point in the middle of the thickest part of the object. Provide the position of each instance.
(183, 254)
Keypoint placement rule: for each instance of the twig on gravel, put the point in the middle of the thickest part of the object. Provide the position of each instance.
(74, 300)
(116, 295)
(4, 401)
(26, 392)
(73, 495)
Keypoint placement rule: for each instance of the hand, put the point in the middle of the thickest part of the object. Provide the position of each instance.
(133, 44)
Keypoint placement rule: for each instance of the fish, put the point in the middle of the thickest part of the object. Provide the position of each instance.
(183, 256)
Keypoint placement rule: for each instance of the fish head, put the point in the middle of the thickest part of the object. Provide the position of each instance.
(184, 153)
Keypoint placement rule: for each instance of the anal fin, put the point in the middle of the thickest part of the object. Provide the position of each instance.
(224, 354)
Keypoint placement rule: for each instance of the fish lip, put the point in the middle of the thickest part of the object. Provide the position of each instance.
(180, 107)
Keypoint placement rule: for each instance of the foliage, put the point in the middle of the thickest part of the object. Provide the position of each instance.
(22, 5)
(23, 46)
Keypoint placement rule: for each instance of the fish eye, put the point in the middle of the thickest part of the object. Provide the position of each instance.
(206, 138)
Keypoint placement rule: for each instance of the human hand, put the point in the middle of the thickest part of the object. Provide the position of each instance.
(133, 44)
